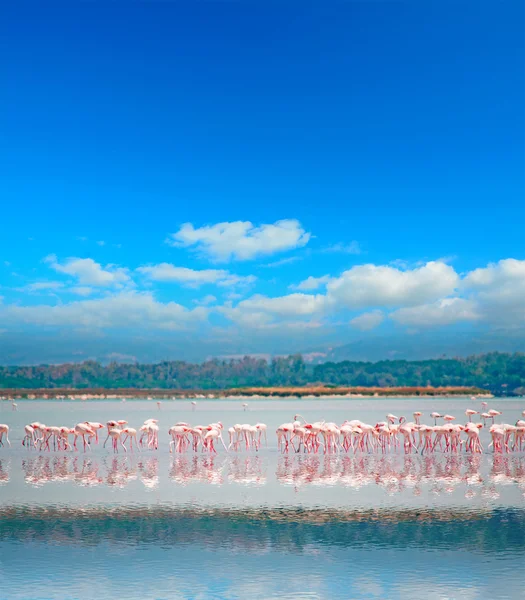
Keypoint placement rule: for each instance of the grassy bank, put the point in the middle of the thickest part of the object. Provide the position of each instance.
(253, 392)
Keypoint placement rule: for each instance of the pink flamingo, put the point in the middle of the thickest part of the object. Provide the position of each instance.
(232, 437)
(95, 427)
(115, 434)
(473, 443)
(485, 416)
(4, 430)
(499, 443)
(284, 433)
(211, 437)
(261, 428)
(50, 433)
(63, 438)
(179, 437)
(494, 413)
(426, 431)
(38, 429)
(29, 437)
(132, 435)
(436, 416)
(470, 412)
(81, 429)
(109, 425)
(406, 431)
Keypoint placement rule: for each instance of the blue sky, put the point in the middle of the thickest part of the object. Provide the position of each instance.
(173, 174)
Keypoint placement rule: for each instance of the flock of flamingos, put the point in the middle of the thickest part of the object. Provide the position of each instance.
(299, 435)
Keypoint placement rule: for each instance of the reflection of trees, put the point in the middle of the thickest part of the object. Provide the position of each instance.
(294, 530)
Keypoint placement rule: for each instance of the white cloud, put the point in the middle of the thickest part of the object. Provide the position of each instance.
(261, 311)
(442, 312)
(286, 306)
(89, 272)
(351, 248)
(507, 275)
(81, 290)
(101, 243)
(370, 285)
(44, 285)
(206, 301)
(283, 261)
(499, 290)
(312, 283)
(194, 278)
(368, 321)
(241, 240)
(125, 309)
(233, 296)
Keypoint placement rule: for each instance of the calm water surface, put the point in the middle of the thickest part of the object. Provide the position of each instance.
(155, 525)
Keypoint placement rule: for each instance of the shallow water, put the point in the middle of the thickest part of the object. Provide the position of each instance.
(75, 525)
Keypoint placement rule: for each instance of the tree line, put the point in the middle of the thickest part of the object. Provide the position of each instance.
(499, 373)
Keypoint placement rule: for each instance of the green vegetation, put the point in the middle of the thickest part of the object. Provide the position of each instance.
(501, 374)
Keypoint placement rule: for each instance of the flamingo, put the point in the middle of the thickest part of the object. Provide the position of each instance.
(132, 435)
(151, 430)
(63, 438)
(115, 434)
(4, 430)
(232, 437)
(178, 437)
(95, 427)
(81, 429)
(474, 443)
(391, 419)
(193, 405)
(210, 438)
(244, 406)
(261, 428)
(469, 412)
(284, 432)
(485, 416)
(37, 428)
(48, 433)
(436, 416)
(29, 436)
(109, 425)
(494, 413)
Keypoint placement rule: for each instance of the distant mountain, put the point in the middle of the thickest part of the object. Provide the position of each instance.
(419, 346)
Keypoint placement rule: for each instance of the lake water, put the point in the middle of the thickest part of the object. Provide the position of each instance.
(258, 526)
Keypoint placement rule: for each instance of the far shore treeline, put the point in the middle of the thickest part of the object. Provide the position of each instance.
(497, 373)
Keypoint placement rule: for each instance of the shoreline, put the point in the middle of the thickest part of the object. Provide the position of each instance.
(307, 392)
